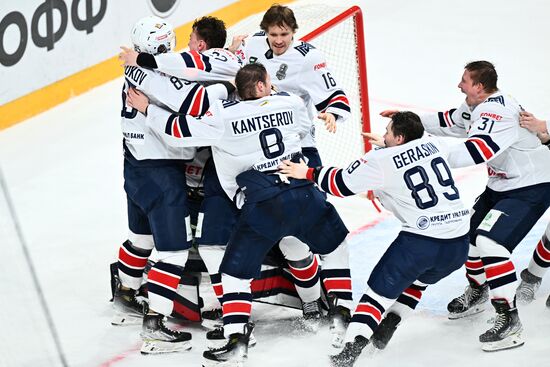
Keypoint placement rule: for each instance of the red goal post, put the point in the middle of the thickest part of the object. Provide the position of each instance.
(356, 15)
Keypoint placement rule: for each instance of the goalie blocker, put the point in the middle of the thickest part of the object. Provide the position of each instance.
(274, 286)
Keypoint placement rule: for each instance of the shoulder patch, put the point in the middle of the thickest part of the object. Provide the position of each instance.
(304, 48)
(228, 103)
(499, 99)
(259, 34)
(282, 94)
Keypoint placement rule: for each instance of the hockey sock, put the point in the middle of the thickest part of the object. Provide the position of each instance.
(474, 266)
(212, 256)
(408, 300)
(131, 263)
(306, 278)
(540, 262)
(367, 315)
(336, 275)
(163, 280)
(499, 269)
(237, 304)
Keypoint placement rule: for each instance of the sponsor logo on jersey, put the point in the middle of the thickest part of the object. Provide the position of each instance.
(252, 60)
(490, 115)
(304, 48)
(139, 136)
(281, 73)
(466, 116)
(320, 66)
(423, 222)
(163, 8)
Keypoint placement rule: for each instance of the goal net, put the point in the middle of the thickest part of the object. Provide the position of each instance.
(337, 31)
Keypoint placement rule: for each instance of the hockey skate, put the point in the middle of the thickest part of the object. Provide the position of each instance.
(311, 319)
(233, 353)
(159, 339)
(350, 353)
(340, 317)
(216, 339)
(129, 307)
(529, 285)
(382, 335)
(506, 332)
(212, 319)
(473, 301)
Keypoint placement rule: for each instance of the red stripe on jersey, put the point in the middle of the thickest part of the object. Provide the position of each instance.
(331, 284)
(413, 293)
(131, 260)
(447, 119)
(366, 308)
(196, 105)
(176, 128)
(307, 272)
(498, 270)
(332, 182)
(474, 265)
(218, 290)
(198, 60)
(543, 251)
(236, 307)
(487, 153)
(166, 279)
(339, 99)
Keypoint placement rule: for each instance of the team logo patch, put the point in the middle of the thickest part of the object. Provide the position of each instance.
(423, 222)
(281, 73)
(163, 8)
(252, 60)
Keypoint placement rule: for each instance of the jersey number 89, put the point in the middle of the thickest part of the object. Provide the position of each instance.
(423, 184)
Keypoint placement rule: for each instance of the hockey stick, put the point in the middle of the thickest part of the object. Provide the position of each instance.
(32, 270)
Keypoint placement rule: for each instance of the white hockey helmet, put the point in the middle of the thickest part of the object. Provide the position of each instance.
(153, 35)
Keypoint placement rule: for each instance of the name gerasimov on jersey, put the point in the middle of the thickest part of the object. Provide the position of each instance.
(173, 94)
(301, 70)
(249, 134)
(515, 157)
(412, 180)
(214, 64)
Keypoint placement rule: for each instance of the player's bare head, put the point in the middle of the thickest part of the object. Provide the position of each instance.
(405, 126)
(279, 15)
(252, 82)
(208, 30)
(484, 73)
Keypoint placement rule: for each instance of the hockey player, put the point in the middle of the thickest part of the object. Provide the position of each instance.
(411, 177)
(256, 133)
(205, 62)
(298, 67)
(155, 185)
(531, 277)
(516, 196)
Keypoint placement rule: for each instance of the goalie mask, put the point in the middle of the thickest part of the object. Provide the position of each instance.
(153, 35)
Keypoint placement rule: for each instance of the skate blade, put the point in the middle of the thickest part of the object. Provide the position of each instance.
(161, 347)
(233, 363)
(211, 324)
(122, 319)
(513, 341)
(471, 312)
(219, 343)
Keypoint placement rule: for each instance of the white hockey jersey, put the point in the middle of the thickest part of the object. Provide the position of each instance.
(412, 180)
(194, 171)
(515, 157)
(214, 64)
(171, 93)
(301, 70)
(255, 134)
